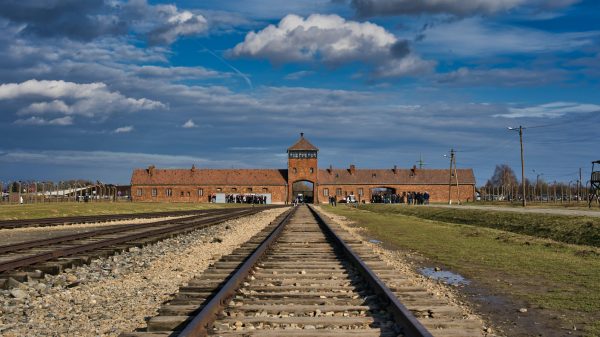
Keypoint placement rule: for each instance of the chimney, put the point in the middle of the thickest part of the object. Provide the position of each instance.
(395, 169)
(352, 169)
(330, 169)
(193, 168)
(150, 170)
(413, 170)
(301, 134)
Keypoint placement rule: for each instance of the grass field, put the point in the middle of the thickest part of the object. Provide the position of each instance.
(568, 229)
(550, 275)
(34, 211)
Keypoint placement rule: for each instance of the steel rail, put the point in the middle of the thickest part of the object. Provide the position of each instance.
(48, 256)
(198, 326)
(11, 248)
(57, 221)
(410, 325)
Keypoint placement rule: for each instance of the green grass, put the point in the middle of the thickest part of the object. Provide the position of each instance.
(556, 276)
(579, 230)
(46, 210)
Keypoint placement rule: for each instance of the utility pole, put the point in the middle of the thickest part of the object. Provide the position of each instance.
(520, 129)
(450, 177)
(579, 186)
(456, 178)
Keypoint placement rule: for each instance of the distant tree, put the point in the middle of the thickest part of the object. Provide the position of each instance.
(503, 176)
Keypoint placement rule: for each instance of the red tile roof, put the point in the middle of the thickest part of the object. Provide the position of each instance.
(401, 177)
(302, 145)
(194, 176)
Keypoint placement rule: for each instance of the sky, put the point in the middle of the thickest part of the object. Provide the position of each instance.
(93, 89)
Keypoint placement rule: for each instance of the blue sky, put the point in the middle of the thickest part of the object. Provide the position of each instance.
(96, 88)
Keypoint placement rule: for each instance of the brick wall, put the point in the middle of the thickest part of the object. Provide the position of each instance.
(190, 192)
(438, 193)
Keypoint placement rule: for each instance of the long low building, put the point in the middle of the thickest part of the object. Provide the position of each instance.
(303, 179)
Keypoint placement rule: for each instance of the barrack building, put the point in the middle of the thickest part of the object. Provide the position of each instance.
(302, 178)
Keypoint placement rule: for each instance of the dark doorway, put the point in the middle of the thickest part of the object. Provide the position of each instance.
(382, 195)
(303, 191)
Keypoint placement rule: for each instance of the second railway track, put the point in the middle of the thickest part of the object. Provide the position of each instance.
(34, 258)
(59, 221)
(299, 278)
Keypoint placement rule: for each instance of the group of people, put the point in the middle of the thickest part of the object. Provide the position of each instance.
(245, 199)
(411, 198)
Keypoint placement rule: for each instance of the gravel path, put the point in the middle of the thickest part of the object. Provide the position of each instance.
(571, 212)
(397, 260)
(16, 235)
(116, 294)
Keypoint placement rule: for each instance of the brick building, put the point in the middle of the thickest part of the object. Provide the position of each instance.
(302, 177)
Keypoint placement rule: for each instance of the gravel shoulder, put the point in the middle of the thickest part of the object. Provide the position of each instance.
(117, 294)
(401, 262)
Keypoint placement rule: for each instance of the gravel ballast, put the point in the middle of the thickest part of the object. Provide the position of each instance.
(116, 294)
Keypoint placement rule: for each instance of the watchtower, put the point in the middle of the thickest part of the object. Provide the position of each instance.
(594, 183)
(302, 171)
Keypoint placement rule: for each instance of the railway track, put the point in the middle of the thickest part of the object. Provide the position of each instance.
(34, 258)
(301, 277)
(58, 221)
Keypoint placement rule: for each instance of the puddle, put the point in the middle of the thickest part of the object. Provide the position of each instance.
(444, 276)
(374, 241)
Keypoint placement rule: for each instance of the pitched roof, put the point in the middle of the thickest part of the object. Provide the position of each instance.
(194, 176)
(387, 176)
(302, 145)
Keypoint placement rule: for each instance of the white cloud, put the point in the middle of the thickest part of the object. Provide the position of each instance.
(177, 72)
(332, 40)
(508, 77)
(124, 129)
(189, 124)
(163, 24)
(69, 98)
(327, 37)
(61, 121)
(478, 37)
(408, 66)
(298, 75)
(550, 110)
(367, 8)
(126, 160)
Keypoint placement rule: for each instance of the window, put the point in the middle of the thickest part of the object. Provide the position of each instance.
(295, 170)
(233, 189)
(338, 191)
(312, 170)
(326, 192)
(374, 175)
(219, 189)
(139, 192)
(169, 192)
(360, 191)
(265, 190)
(154, 192)
(249, 189)
(182, 193)
(187, 193)
(200, 192)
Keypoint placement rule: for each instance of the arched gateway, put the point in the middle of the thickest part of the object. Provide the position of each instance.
(302, 170)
